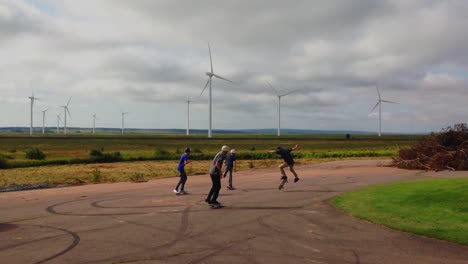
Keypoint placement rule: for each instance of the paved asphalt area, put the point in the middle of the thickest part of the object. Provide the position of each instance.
(147, 223)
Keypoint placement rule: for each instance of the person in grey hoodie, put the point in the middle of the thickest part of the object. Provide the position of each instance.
(215, 174)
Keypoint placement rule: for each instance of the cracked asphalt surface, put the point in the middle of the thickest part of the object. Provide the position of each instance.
(147, 223)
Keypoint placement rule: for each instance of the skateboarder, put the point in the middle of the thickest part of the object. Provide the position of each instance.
(229, 166)
(215, 174)
(181, 168)
(288, 162)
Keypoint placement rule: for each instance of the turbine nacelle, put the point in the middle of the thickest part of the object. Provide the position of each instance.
(209, 74)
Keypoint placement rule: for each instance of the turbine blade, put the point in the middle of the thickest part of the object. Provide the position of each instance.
(389, 102)
(222, 78)
(206, 85)
(211, 61)
(375, 106)
(69, 101)
(291, 92)
(378, 92)
(68, 112)
(271, 86)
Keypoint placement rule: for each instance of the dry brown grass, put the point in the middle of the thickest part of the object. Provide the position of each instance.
(119, 171)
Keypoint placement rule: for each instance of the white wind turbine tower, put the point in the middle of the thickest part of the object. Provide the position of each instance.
(43, 119)
(123, 121)
(58, 123)
(65, 109)
(210, 76)
(32, 98)
(379, 104)
(94, 123)
(279, 105)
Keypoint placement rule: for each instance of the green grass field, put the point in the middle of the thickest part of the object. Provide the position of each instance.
(435, 208)
(75, 149)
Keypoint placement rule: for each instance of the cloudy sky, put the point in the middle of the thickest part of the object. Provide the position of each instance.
(147, 57)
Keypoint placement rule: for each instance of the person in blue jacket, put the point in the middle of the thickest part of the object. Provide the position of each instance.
(183, 175)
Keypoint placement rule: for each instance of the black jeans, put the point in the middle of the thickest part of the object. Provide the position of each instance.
(214, 192)
(183, 179)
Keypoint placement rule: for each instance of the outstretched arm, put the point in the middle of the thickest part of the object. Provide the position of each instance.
(295, 147)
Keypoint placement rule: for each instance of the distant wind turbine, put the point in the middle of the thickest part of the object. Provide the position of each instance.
(279, 104)
(43, 119)
(65, 110)
(58, 123)
(209, 81)
(123, 119)
(94, 123)
(32, 98)
(379, 104)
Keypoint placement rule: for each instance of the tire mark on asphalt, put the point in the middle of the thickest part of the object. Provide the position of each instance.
(221, 249)
(181, 234)
(97, 205)
(76, 241)
(358, 260)
(7, 227)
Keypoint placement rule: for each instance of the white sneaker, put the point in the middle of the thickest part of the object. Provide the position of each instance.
(176, 191)
(182, 192)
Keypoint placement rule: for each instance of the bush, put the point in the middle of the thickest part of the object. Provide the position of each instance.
(3, 163)
(161, 152)
(197, 151)
(137, 177)
(96, 176)
(35, 154)
(445, 150)
(95, 153)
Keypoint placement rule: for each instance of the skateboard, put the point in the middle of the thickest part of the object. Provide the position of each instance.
(216, 206)
(284, 180)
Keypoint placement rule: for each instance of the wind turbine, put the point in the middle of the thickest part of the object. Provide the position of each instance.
(65, 109)
(58, 123)
(94, 123)
(279, 104)
(123, 119)
(379, 104)
(43, 118)
(209, 81)
(32, 98)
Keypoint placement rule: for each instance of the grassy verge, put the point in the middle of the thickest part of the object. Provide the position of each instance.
(119, 171)
(166, 156)
(435, 208)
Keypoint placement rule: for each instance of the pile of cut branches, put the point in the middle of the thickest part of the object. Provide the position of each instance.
(445, 150)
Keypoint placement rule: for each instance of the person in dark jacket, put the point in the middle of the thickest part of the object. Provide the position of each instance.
(288, 161)
(230, 164)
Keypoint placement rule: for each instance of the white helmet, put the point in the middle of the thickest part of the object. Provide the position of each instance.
(225, 148)
(233, 151)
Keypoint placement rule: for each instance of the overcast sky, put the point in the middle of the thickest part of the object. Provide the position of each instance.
(147, 57)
